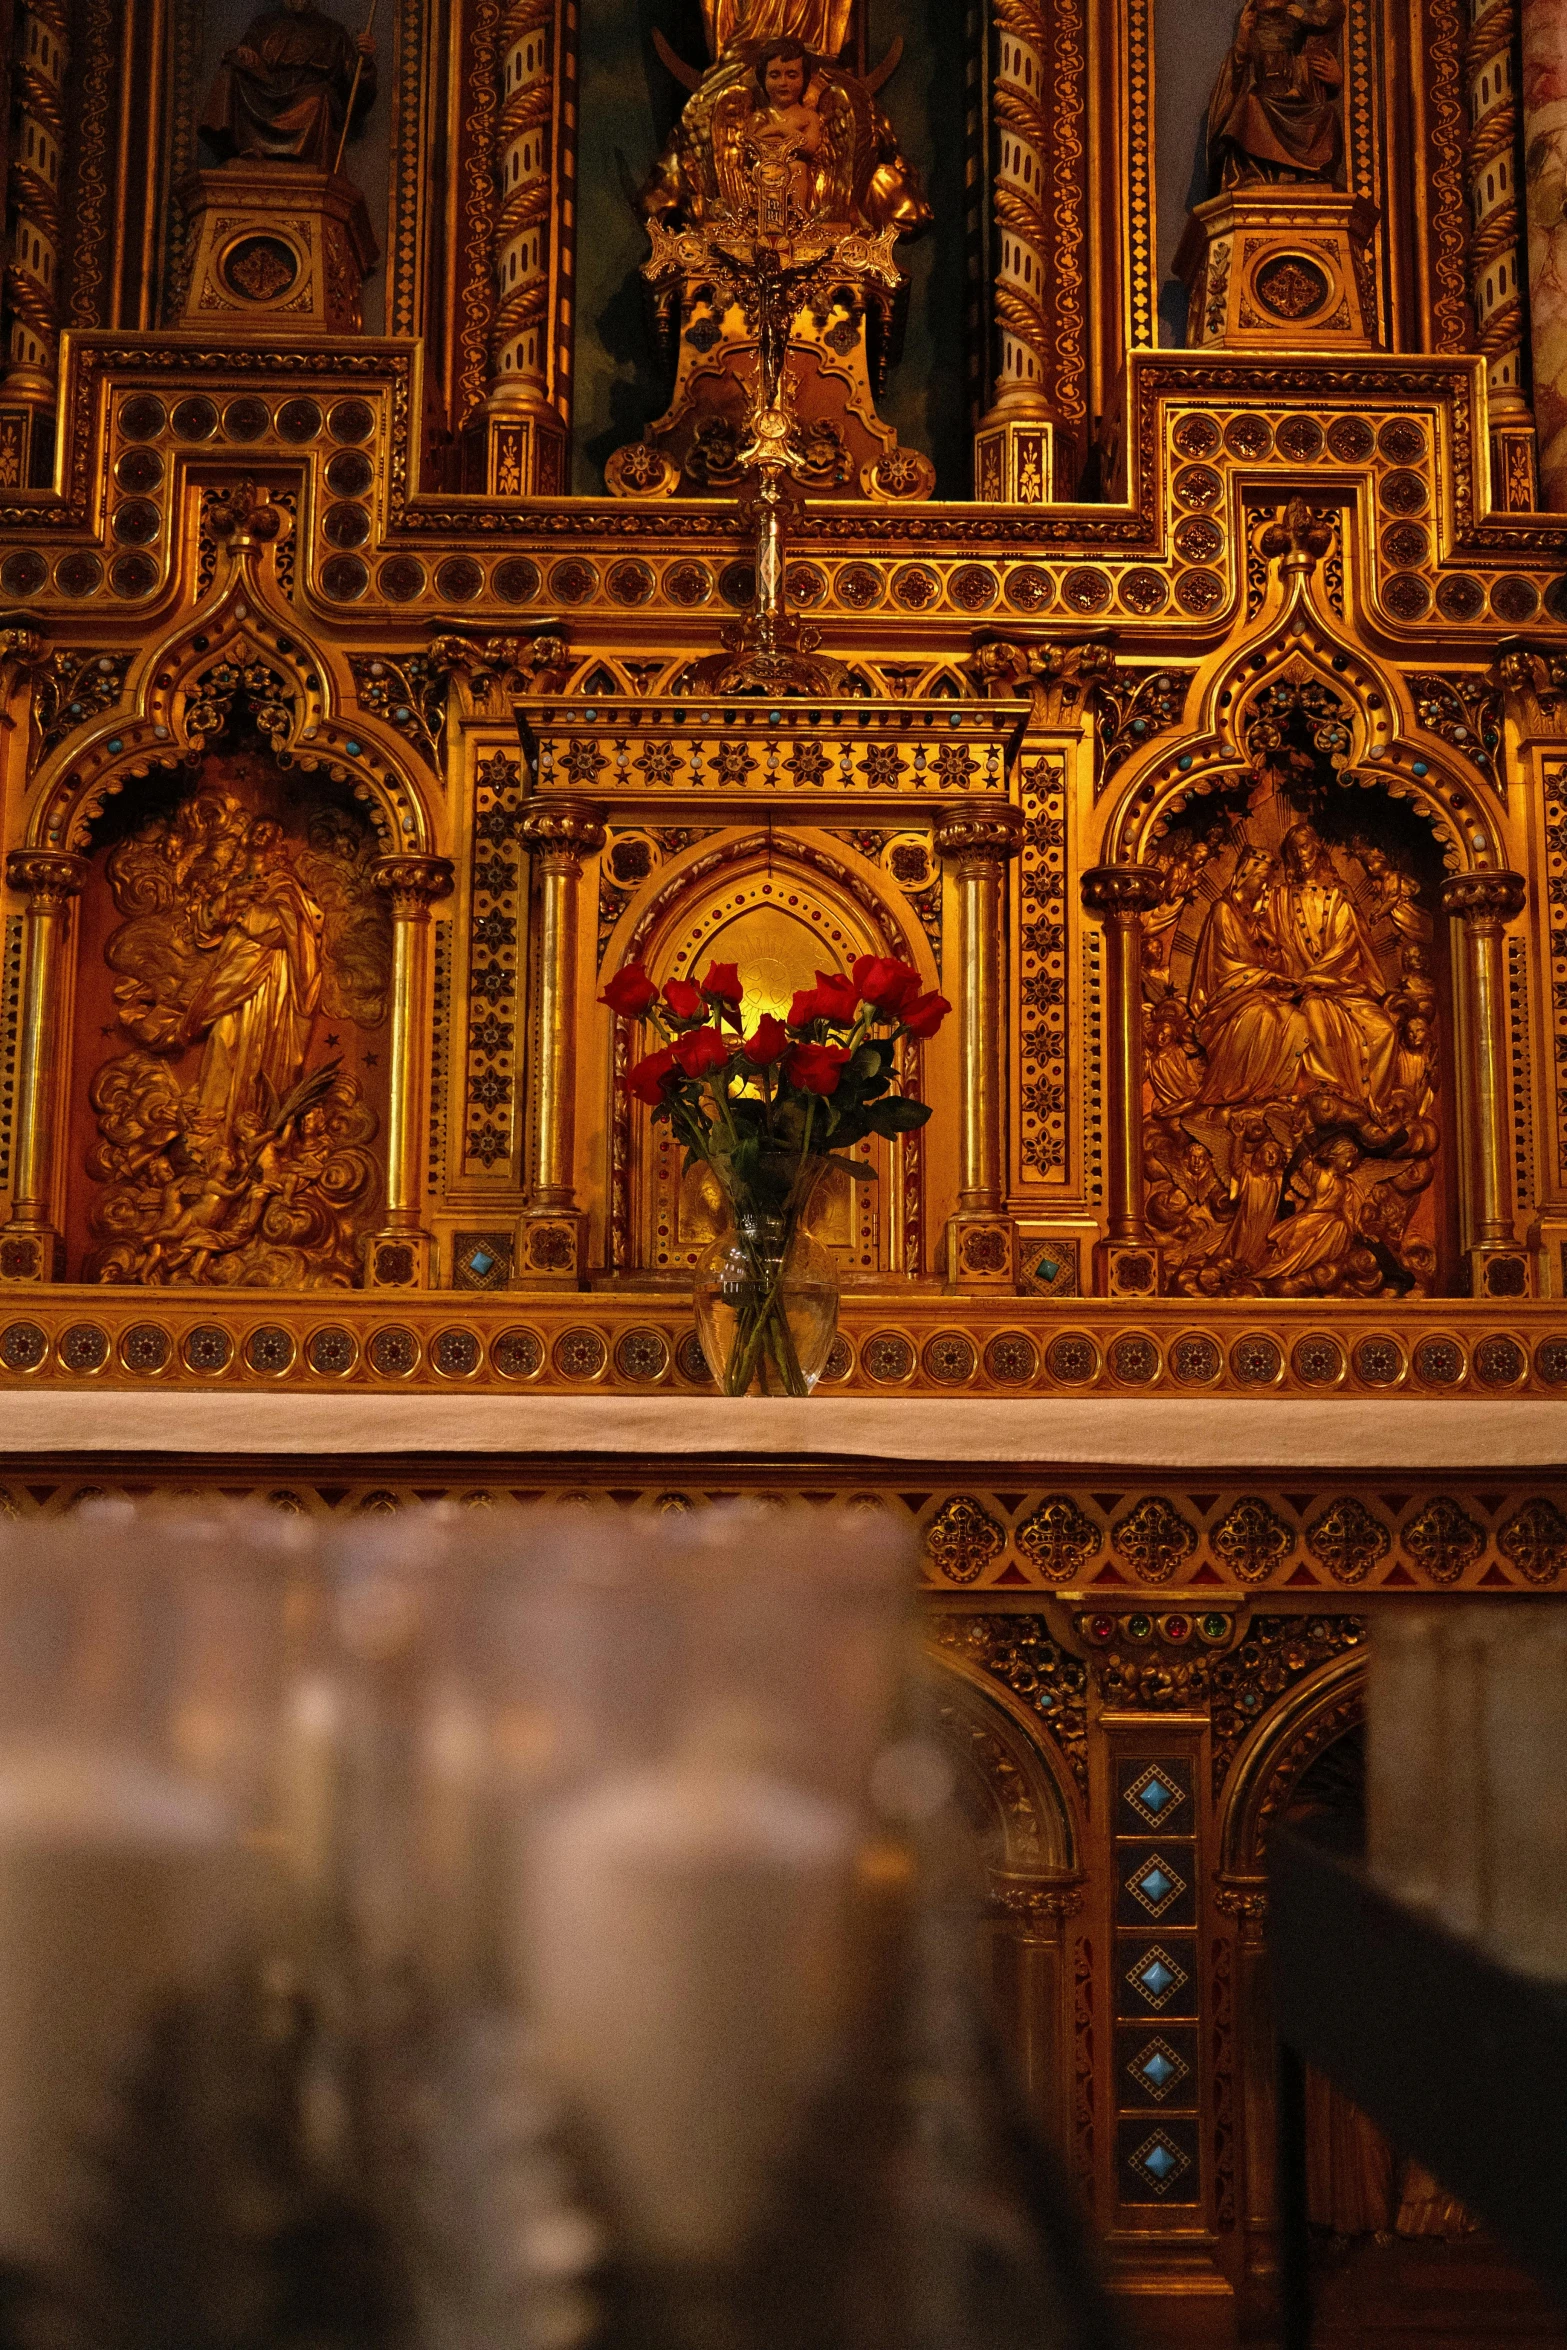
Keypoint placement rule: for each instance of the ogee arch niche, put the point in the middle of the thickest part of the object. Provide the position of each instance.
(781, 920)
(231, 1027)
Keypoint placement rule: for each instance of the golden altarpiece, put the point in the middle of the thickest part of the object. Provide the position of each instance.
(495, 500)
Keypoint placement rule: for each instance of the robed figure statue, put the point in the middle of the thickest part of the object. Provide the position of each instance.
(1276, 111)
(283, 95)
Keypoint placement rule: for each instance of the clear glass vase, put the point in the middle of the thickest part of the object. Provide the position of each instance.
(766, 1296)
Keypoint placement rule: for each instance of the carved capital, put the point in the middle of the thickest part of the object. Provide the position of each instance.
(1243, 1898)
(1533, 685)
(980, 837)
(47, 876)
(1122, 893)
(1484, 898)
(1039, 1902)
(561, 832)
(413, 883)
(1059, 679)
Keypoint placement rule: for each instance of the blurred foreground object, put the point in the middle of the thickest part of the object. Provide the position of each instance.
(532, 1931)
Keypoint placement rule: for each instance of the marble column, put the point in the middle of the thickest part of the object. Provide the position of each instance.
(978, 842)
(30, 1247)
(1482, 905)
(398, 1256)
(1121, 895)
(1543, 26)
(557, 834)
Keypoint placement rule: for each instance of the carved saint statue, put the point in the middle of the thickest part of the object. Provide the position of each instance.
(1276, 109)
(282, 95)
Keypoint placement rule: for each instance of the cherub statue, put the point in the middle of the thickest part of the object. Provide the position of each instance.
(759, 111)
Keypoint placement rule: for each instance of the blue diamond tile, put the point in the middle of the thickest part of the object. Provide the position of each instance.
(1155, 1885)
(1160, 2162)
(1157, 1976)
(1154, 1797)
(1158, 2069)
(481, 1262)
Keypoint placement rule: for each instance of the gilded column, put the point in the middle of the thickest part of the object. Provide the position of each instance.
(1121, 895)
(530, 388)
(980, 1238)
(398, 1256)
(557, 834)
(1543, 26)
(1253, 2055)
(35, 242)
(1482, 904)
(1031, 1990)
(1497, 262)
(30, 1247)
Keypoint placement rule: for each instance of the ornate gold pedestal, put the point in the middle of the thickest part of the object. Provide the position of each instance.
(1015, 459)
(1265, 264)
(276, 245)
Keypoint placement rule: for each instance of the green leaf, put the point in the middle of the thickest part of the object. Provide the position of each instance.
(855, 1167)
(896, 1116)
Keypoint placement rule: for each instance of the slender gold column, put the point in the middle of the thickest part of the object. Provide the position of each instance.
(399, 1254)
(557, 834)
(1031, 1990)
(1121, 895)
(1246, 1900)
(49, 879)
(1483, 904)
(978, 842)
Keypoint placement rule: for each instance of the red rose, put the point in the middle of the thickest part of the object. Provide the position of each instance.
(816, 1068)
(684, 999)
(807, 1006)
(722, 984)
(886, 983)
(837, 998)
(630, 992)
(646, 1080)
(699, 1050)
(924, 1016)
(768, 1044)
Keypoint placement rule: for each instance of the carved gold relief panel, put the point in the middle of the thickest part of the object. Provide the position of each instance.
(231, 1007)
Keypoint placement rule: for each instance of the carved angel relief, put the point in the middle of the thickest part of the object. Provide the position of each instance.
(1290, 1134)
(227, 1151)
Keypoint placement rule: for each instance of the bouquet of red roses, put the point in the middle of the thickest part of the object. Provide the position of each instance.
(769, 1111)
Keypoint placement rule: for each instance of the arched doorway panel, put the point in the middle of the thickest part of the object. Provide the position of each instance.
(1027, 1830)
(1270, 1766)
(782, 907)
